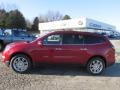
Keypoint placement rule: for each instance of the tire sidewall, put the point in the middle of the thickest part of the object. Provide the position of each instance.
(20, 55)
(93, 59)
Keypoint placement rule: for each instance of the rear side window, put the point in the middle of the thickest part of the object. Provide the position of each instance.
(68, 39)
(72, 39)
(93, 39)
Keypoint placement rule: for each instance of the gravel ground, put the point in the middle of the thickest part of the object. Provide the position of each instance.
(61, 78)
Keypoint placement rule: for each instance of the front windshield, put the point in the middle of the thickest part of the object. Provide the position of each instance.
(39, 36)
(42, 34)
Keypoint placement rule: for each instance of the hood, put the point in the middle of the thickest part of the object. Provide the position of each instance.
(17, 43)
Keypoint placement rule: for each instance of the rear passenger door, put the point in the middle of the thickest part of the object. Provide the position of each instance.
(71, 50)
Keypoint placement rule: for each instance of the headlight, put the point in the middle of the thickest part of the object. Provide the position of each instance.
(3, 57)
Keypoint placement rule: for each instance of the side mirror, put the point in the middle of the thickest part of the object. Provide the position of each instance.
(39, 43)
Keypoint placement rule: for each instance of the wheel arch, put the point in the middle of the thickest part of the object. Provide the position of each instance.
(98, 56)
(22, 54)
(2, 45)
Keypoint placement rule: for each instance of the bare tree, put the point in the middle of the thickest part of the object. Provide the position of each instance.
(28, 24)
(53, 16)
(50, 16)
(42, 19)
(8, 7)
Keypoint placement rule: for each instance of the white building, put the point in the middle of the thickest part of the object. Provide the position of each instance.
(79, 24)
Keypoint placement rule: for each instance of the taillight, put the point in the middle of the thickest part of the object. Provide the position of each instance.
(109, 43)
(112, 47)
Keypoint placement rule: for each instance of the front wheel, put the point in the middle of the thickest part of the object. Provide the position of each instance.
(1, 46)
(96, 66)
(20, 63)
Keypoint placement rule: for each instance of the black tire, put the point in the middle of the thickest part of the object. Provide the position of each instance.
(1, 46)
(20, 63)
(96, 66)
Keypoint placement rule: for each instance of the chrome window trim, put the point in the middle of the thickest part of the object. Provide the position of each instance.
(53, 44)
(61, 43)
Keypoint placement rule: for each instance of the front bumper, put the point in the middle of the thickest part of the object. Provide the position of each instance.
(6, 62)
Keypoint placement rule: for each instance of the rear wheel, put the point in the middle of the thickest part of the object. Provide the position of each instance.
(96, 66)
(20, 63)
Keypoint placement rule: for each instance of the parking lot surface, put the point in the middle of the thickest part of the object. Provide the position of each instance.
(62, 77)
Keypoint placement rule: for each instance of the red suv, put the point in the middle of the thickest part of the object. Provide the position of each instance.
(88, 49)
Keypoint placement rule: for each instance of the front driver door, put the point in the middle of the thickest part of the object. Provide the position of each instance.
(47, 51)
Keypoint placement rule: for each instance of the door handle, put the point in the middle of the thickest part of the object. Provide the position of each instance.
(58, 48)
(84, 49)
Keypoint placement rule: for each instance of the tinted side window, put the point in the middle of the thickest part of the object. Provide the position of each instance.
(78, 39)
(93, 39)
(72, 39)
(68, 39)
(52, 39)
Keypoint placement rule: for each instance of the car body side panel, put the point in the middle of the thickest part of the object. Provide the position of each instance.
(79, 54)
(102, 50)
(68, 54)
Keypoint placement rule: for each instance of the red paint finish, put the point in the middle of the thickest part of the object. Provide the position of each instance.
(80, 53)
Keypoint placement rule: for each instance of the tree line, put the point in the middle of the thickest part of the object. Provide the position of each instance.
(14, 19)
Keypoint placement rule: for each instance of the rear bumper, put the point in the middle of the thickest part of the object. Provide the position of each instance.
(110, 57)
(110, 63)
